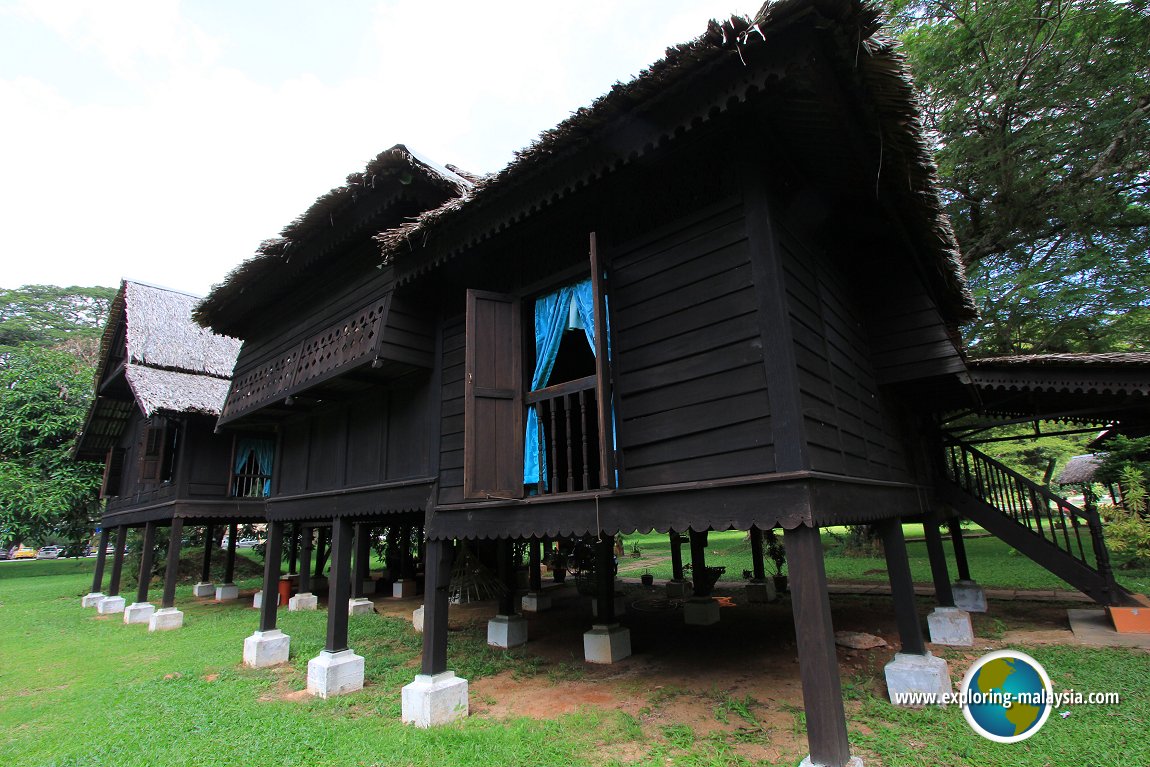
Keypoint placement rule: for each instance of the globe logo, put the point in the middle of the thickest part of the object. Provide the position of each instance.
(1006, 696)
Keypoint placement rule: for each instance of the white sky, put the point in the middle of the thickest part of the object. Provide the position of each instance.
(162, 140)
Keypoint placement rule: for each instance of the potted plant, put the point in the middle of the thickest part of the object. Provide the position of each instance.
(777, 551)
(558, 564)
(647, 579)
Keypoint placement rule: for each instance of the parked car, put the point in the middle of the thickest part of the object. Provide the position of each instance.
(49, 552)
(24, 552)
(76, 550)
(242, 543)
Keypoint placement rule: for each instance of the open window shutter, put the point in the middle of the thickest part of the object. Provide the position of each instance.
(603, 386)
(113, 473)
(152, 443)
(493, 395)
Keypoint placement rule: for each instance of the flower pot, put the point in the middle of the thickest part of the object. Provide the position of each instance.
(559, 574)
(647, 579)
(780, 583)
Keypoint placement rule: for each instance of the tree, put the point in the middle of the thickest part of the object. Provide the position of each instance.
(1040, 110)
(51, 316)
(44, 396)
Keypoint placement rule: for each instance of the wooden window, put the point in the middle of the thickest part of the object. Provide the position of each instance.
(113, 473)
(157, 450)
(493, 397)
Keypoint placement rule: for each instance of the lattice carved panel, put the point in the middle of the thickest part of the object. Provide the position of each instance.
(345, 343)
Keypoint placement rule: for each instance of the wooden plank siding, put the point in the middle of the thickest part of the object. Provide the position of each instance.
(451, 408)
(689, 368)
(848, 426)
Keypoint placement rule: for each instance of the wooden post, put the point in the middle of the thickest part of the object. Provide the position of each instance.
(760, 572)
(437, 583)
(147, 553)
(118, 560)
(101, 556)
(506, 577)
(405, 552)
(305, 564)
(337, 593)
(230, 562)
(172, 567)
(901, 587)
(209, 544)
(676, 556)
(323, 537)
(938, 570)
(699, 562)
(273, 557)
(534, 560)
(359, 571)
(605, 575)
(815, 636)
(959, 550)
(293, 549)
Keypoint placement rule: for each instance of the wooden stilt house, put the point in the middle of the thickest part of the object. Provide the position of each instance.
(160, 384)
(724, 296)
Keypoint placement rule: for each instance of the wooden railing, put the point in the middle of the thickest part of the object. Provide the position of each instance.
(1075, 531)
(568, 436)
(245, 485)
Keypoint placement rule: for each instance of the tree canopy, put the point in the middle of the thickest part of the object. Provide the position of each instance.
(1040, 110)
(51, 316)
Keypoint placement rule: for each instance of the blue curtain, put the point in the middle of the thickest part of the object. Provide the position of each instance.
(551, 313)
(265, 453)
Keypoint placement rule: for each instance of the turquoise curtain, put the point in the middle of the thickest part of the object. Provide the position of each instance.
(265, 453)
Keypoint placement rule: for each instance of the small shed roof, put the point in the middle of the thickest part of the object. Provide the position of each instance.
(1079, 470)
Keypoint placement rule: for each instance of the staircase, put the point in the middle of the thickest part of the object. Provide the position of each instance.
(1064, 539)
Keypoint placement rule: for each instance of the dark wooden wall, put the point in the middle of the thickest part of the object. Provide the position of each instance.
(451, 412)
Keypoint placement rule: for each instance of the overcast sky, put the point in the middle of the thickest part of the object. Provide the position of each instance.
(162, 140)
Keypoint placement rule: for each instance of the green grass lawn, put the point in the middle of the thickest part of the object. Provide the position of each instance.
(992, 562)
(81, 690)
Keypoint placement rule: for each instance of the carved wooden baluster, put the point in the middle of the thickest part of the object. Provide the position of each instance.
(570, 452)
(542, 443)
(554, 451)
(583, 424)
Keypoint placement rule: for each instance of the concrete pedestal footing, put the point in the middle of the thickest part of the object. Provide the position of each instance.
(334, 673)
(620, 606)
(507, 631)
(535, 602)
(417, 619)
(139, 612)
(969, 596)
(303, 601)
(266, 648)
(166, 619)
(404, 588)
(434, 699)
(678, 589)
(204, 589)
(226, 592)
(606, 644)
(854, 761)
(950, 626)
(258, 599)
(360, 606)
(910, 674)
(759, 592)
(109, 605)
(700, 611)
(91, 600)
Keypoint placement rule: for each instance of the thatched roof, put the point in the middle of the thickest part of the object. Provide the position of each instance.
(880, 80)
(387, 174)
(1117, 360)
(170, 364)
(1079, 470)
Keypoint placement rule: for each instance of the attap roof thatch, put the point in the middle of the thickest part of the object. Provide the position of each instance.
(1079, 470)
(880, 81)
(389, 173)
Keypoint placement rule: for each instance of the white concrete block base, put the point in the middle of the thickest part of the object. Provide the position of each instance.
(334, 673)
(226, 592)
(854, 761)
(109, 605)
(360, 606)
(303, 601)
(678, 589)
(700, 611)
(909, 673)
(607, 644)
(434, 699)
(139, 612)
(258, 599)
(950, 626)
(404, 589)
(535, 602)
(760, 592)
(91, 600)
(266, 648)
(620, 606)
(969, 596)
(507, 631)
(417, 619)
(166, 619)
(204, 589)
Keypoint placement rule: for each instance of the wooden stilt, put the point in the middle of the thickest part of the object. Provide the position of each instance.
(605, 575)
(118, 560)
(506, 577)
(147, 553)
(436, 586)
(101, 557)
(901, 587)
(293, 549)
(959, 550)
(760, 571)
(815, 636)
(305, 564)
(699, 563)
(359, 573)
(938, 570)
(230, 561)
(338, 591)
(676, 556)
(534, 577)
(172, 567)
(273, 560)
(323, 538)
(209, 544)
